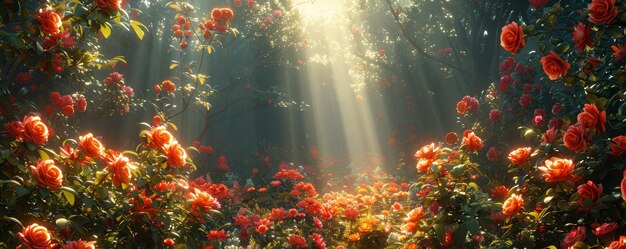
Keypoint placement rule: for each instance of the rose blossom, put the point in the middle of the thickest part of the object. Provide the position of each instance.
(512, 205)
(557, 169)
(512, 37)
(554, 66)
(574, 138)
(34, 130)
(50, 21)
(36, 237)
(582, 36)
(602, 11)
(91, 146)
(48, 175)
(575, 235)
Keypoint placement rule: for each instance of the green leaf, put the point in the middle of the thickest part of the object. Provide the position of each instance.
(137, 28)
(174, 65)
(209, 49)
(105, 29)
(69, 197)
(43, 155)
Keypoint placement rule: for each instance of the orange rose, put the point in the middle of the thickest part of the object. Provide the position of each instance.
(34, 130)
(472, 142)
(50, 21)
(554, 66)
(36, 237)
(216, 14)
(227, 14)
(158, 136)
(574, 138)
(591, 117)
(602, 11)
(168, 86)
(106, 5)
(91, 146)
(176, 154)
(557, 169)
(120, 167)
(520, 156)
(462, 107)
(79, 244)
(202, 201)
(48, 175)
(512, 37)
(426, 156)
(412, 219)
(512, 205)
(618, 244)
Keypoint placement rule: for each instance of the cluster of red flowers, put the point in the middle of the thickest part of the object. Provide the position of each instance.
(303, 187)
(66, 104)
(182, 30)
(208, 149)
(121, 94)
(297, 241)
(311, 206)
(467, 104)
(590, 121)
(288, 174)
(201, 202)
(167, 86)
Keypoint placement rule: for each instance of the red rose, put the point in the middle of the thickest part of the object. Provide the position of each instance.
(500, 191)
(36, 237)
(618, 148)
(34, 130)
(574, 138)
(452, 138)
(591, 117)
(494, 115)
(106, 5)
(493, 154)
(525, 100)
(472, 142)
(582, 36)
(68, 110)
(50, 21)
(168, 86)
(538, 4)
(605, 229)
(462, 107)
(589, 194)
(575, 235)
(554, 66)
(602, 11)
(14, 129)
(79, 244)
(81, 104)
(512, 37)
(216, 14)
